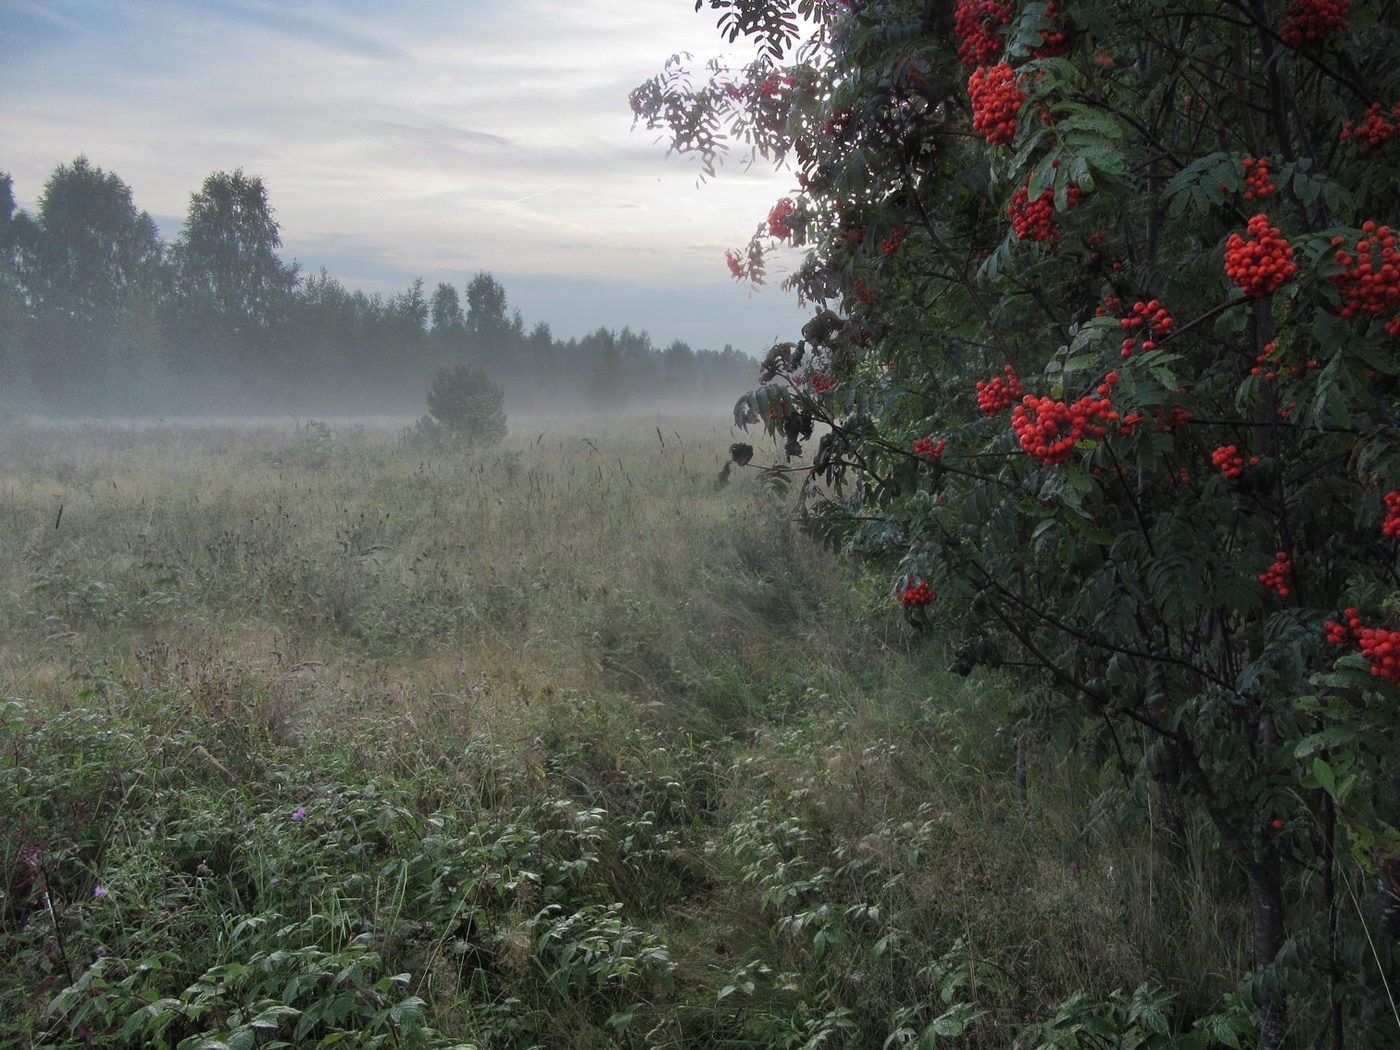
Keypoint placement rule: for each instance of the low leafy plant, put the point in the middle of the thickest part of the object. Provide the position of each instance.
(654, 776)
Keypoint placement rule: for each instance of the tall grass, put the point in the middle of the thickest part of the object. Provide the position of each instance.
(313, 738)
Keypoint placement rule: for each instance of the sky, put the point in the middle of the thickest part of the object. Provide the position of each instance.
(418, 138)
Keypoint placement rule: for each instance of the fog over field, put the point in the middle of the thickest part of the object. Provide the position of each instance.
(717, 416)
(186, 227)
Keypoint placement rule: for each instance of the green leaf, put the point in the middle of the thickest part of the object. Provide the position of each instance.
(1322, 773)
(273, 1015)
(1332, 737)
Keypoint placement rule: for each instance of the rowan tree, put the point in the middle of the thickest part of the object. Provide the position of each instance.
(1103, 356)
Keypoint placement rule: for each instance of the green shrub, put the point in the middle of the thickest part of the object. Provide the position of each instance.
(464, 405)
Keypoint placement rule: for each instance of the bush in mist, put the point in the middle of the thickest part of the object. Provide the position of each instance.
(464, 405)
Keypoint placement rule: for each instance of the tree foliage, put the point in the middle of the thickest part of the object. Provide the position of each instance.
(1103, 360)
(486, 308)
(91, 250)
(232, 283)
(90, 266)
(464, 405)
(99, 317)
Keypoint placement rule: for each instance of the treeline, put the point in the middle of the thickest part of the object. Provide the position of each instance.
(99, 316)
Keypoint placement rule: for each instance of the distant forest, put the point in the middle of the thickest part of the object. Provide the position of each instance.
(100, 317)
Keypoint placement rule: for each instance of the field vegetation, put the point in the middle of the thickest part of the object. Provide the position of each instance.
(312, 738)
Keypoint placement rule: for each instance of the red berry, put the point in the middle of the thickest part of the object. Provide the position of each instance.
(1049, 429)
(1374, 131)
(925, 447)
(996, 100)
(1261, 262)
(976, 22)
(1370, 282)
(1034, 220)
(1257, 179)
(912, 593)
(995, 394)
(778, 224)
(1053, 42)
(1379, 646)
(1311, 21)
(1276, 576)
(1391, 525)
(1228, 459)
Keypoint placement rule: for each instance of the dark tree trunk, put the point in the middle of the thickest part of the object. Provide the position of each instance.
(1264, 872)
(1266, 889)
(1171, 814)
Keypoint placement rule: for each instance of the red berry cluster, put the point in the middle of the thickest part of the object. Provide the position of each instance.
(1097, 241)
(1371, 281)
(996, 99)
(1152, 316)
(1260, 264)
(1231, 461)
(1374, 131)
(778, 224)
(1053, 42)
(1272, 369)
(773, 85)
(1228, 459)
(1382, 650)
(821, 384)
(837, 124)
(915, 593)
(1170, 419)
(1048, 429)
(977, 23)
(1276, 576)
(1035, 220)
(925, 447)
(1256, 179)
(1310, 21)
(1380, 646)
(891, 243)
(1391, 525)
(995, 394)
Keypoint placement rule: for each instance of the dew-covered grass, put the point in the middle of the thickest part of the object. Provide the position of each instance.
(312, 738)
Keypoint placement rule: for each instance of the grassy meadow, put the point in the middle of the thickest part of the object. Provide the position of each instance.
(310, 738)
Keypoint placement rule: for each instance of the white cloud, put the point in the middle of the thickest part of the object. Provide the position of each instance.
(437, 138)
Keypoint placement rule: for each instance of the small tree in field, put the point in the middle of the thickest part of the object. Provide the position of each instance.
(1106, 342)
(464, 405)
